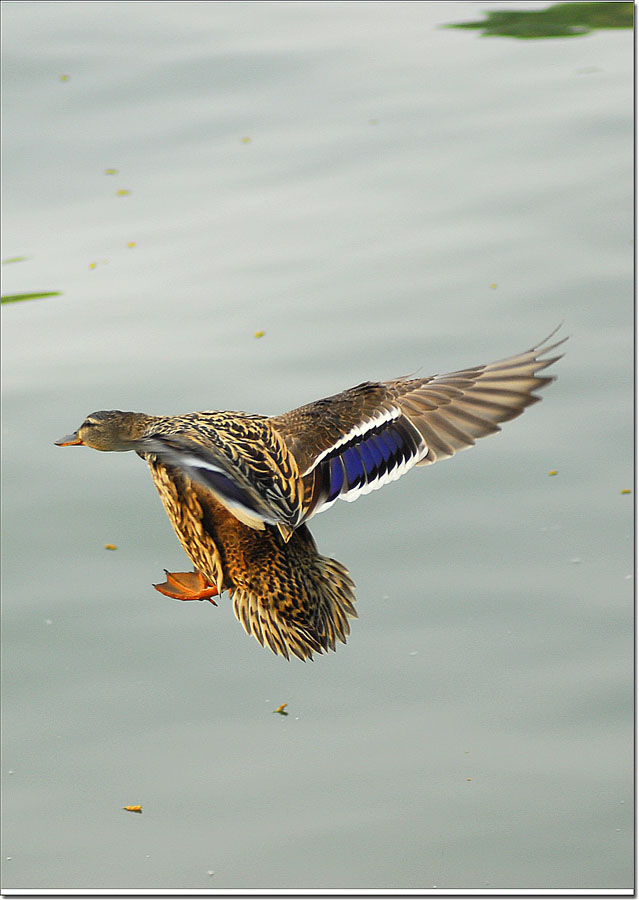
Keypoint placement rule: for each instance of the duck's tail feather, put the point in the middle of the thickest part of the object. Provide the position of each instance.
(301, 602)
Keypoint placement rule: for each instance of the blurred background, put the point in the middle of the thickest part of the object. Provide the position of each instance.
(250, 205)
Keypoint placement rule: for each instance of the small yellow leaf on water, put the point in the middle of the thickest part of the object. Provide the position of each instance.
(136, 809)
(281, 709)
(493, 286)
(110, 171)
(626, 491)
(93, 265)
(259, 334)
(110, 547)
(553, 472)
(65, 77)
(246, 140)
(131, 244)
(123, 192)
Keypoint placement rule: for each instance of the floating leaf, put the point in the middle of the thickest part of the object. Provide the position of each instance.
(110, 171)
(246, 140)
(131, 244)
(259, 334)
(626, 491)
(561, 20)
(135, 809)
(281, 709)
(18, 298)
(110, 547)
(13, 259)
(123, 192)
(553, 472)
(65, 77)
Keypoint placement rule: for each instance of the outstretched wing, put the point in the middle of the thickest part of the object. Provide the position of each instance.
(365, 437)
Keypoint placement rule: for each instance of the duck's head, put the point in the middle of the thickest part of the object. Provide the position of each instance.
(108, 430)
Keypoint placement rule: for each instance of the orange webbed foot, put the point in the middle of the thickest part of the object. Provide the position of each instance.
(187, 586)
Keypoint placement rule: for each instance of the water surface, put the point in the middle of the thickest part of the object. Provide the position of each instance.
(378, 195)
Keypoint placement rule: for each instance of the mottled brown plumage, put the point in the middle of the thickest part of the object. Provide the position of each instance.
(239, 488)
(284, 592)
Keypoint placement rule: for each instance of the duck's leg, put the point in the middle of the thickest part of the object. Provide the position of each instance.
(187, 586)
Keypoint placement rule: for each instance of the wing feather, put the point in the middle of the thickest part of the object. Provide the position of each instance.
(375, 432)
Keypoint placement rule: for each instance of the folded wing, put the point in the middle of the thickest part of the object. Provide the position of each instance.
(258, 489)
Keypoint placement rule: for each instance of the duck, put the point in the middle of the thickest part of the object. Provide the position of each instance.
(240, 488)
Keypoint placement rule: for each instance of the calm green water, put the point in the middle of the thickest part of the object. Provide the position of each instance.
(378, 195)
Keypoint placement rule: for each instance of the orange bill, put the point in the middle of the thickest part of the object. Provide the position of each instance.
(68, 440)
